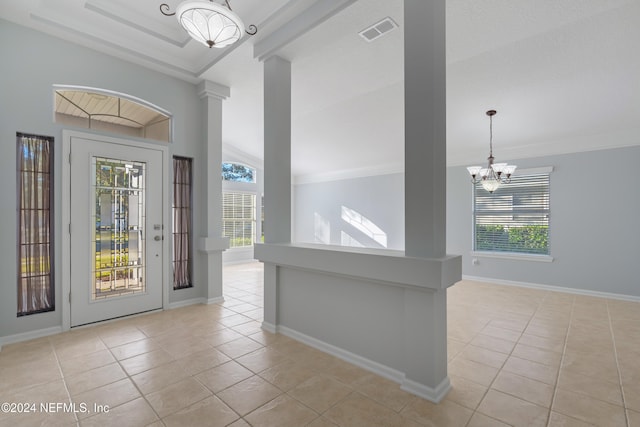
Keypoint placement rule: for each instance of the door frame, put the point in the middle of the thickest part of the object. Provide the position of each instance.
(67, 136)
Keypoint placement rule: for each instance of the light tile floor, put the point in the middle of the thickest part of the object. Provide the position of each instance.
(517, 357)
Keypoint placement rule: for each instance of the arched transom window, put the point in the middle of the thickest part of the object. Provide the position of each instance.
(238, 172)
(99, 109)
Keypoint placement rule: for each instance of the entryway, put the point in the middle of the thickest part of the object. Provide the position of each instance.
(116, 227)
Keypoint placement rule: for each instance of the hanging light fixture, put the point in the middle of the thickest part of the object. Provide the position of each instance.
(210, 23)
(494, 174)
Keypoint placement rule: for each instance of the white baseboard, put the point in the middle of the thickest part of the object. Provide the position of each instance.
(269, 327)
(215, 300)
(185, 303)
(250, 260)
(435, 395)
(369, 365)
(574, 291)
(432, 394)
(26, 336)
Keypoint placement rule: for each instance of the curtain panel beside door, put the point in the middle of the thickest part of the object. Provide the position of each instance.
(182, 218)
(36, 290)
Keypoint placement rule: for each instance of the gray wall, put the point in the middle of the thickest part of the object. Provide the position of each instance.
(595, 227)
(379, 198)
(31, 63)
(595, 232)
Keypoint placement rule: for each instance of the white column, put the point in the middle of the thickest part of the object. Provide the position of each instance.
(425, 128)
(277, 150)
(425, 191)
(425, 331)
(277, 172)
(213, 244)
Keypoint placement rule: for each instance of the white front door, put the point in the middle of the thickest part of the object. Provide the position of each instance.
(116, 229)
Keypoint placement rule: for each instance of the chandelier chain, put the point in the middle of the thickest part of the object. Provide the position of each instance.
(491, 136)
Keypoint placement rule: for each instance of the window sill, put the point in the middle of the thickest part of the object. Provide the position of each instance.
(513, 256)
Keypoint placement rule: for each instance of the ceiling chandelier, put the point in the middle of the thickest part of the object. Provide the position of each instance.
(210, 23)
(494, 174)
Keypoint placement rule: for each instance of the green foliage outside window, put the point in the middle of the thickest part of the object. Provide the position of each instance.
(532, 239)
(238, 173)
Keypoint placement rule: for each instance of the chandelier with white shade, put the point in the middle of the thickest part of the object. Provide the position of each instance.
(494, 174)
(210, 23)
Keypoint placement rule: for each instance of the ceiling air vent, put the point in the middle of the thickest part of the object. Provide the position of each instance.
(378, 29)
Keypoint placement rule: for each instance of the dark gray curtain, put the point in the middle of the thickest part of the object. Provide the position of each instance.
(35, 228)
(181, 223)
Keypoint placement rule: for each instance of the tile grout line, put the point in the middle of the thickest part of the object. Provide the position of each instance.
(283, 392)
(564, 350)
(504, 363)
(190, 376)
(129, 376)
(489, 386)
(64, 380)
(615, 353)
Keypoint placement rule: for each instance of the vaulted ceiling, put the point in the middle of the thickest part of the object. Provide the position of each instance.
(563, 75)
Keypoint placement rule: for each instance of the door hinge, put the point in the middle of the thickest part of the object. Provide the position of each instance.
(69, 297)
(69, 157)
(69, 228)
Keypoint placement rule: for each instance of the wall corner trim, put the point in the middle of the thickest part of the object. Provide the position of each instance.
(269, 327)
(432, 394)
(215, 300)
(213, 244)
(207, 88)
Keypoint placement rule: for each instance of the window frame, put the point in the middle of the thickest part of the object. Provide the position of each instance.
(513, 255)
(77, 122)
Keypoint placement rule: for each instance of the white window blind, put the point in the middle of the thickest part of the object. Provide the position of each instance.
(515, 218)
(239, 218)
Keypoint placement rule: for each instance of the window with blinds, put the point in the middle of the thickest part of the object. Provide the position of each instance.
(239, 218)
(515, 218)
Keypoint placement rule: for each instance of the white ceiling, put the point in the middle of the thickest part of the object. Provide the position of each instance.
(562, 74)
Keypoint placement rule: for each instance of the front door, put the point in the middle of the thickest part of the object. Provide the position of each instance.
(116, 229)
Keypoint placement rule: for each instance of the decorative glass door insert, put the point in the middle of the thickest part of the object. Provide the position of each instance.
(118, 189)
(116, 245)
